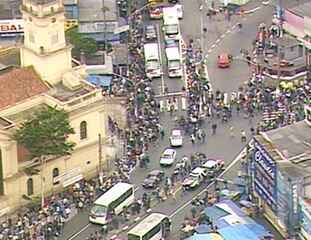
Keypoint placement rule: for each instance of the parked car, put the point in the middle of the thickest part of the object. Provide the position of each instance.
(150, 32)
(153, 179)
(195, 178)
(168, 157)
(213, 166)
(176, 138)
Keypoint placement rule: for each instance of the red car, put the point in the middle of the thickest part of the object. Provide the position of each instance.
(224, 60)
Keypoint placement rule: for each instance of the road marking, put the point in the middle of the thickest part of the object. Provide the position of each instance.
(79, 232)
(214, 45)
(222, 36)
(218, 40)
(238, 157)
(160, 53)
(228, 31)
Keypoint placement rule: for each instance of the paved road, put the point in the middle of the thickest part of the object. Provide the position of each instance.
(221, 145)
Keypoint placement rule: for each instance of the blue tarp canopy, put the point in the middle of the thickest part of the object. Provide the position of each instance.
(258, 229)
(205, 236)
(100, 81)
(238, 232)
(203, 228)
(214, 212)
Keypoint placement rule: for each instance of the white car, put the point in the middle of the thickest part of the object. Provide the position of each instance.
(213, 166)
(195, 178)
(176, 138)
(179, 9)
(168, 157)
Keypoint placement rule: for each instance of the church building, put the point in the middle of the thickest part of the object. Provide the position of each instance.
(47, 77)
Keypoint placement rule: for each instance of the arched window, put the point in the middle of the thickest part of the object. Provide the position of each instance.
(83, 130)
(55, 174)
(30, 186)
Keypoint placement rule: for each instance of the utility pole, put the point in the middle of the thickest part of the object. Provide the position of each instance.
(100, 153)
(105, 26)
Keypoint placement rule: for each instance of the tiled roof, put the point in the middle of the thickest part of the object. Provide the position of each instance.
(18, 85)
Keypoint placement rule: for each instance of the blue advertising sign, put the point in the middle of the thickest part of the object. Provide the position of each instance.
(265, 175)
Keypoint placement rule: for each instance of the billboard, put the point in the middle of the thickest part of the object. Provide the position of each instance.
(265, 175)
(11, 27)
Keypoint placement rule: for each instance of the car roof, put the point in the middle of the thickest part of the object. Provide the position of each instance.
(150, 27)
(176, 132)
(223, 55)
(169, 151)
(210, 163)
(197, 170)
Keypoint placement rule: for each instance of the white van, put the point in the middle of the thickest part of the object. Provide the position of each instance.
(171, 23)
(152, 60)
(173, 62)
(115, 199)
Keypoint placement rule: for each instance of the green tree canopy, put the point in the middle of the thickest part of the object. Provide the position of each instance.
(46, 133)
(81, 43)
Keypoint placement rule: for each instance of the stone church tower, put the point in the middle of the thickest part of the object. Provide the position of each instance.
(44, 39)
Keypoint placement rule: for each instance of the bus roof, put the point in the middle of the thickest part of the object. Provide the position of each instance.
(113, 193)
(151, 51)
(147, 224)
(170, 15)
(172, 53)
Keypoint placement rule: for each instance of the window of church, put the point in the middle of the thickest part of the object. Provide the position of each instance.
(83, 130)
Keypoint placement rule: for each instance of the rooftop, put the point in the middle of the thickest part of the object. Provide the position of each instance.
(64, 94)
(92, 11)
(120, 53)
(302, 9)
(292, 140)
(290, 147)
(20, 84)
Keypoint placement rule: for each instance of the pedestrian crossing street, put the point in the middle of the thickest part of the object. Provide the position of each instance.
(173, 103)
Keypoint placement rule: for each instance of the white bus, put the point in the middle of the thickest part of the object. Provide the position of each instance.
(154, 227)
(114, 200)
(171, 23)
(173, 62)
(152, 60)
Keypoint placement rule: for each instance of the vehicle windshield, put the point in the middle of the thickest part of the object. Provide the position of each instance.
(152, 64)
(194, 175)
(98, 210)
(174, 64)
(132, 237)
(166, 155)
(171, 29)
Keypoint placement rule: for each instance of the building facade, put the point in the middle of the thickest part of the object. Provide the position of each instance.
(47, 78)
(280, 170)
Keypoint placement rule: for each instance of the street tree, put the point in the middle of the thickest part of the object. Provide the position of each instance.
(81, 43)
(45, 134)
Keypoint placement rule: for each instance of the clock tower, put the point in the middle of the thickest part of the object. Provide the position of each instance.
(45, 45)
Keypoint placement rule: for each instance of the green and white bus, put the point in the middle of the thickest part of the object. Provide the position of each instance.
(114, 200)
(154, 227)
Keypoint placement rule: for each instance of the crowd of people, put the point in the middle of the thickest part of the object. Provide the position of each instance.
(47, 222)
